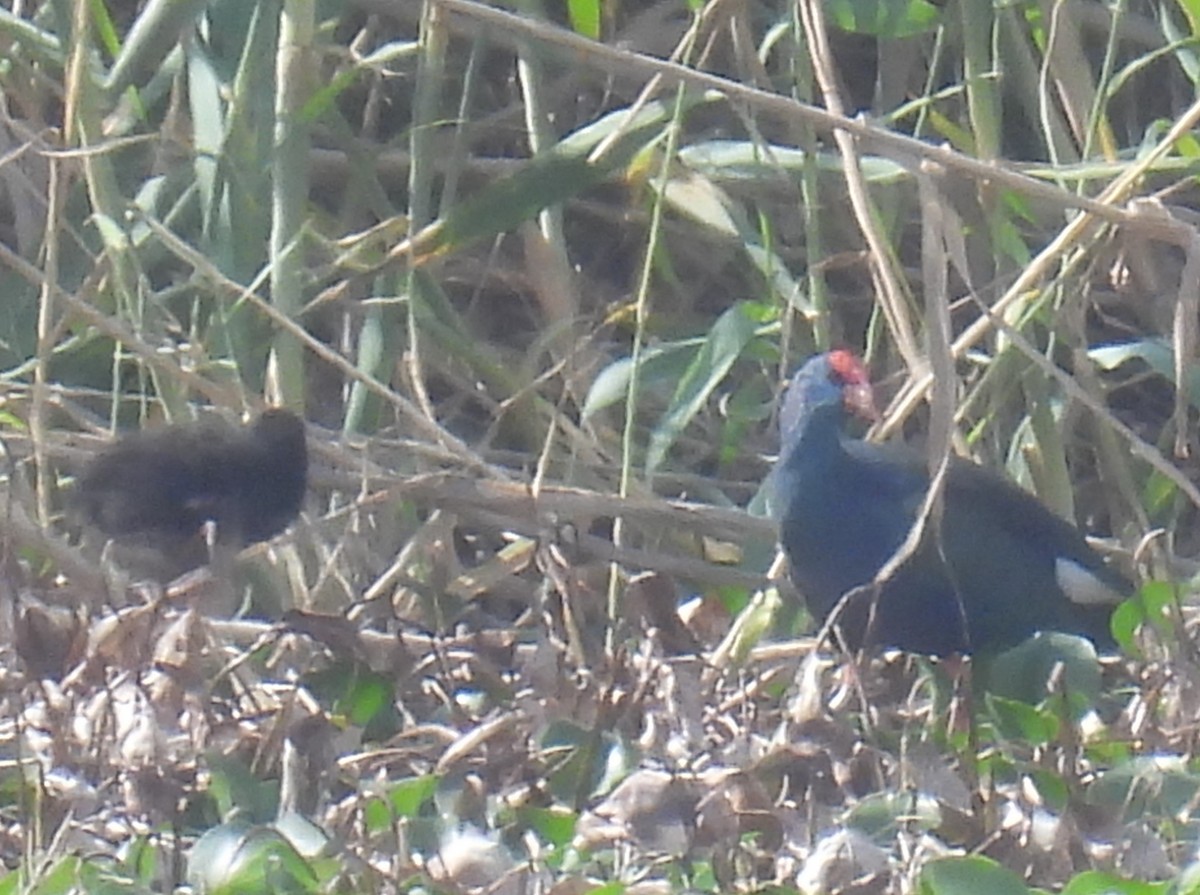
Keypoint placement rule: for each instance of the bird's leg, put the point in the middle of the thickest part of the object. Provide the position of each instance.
(220, 551)
(209, 531)
(961, 717)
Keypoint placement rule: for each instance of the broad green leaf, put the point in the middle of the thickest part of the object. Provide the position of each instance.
(1150, 605)
(1028, 671)
(717, 355)
(233, 859)
(585, 17)
(60, 879)
(376, 815)
(1018, 720)
(554, 825)
(882, 814)
(1155, 353)
(370, 694)
(701, 199)
(1096, 882)
(584, 761)
(970, 875)
(661, 363)
(352, 690)
(1051, 787)
(408, 796)
(1147, 785)
(302, 834)
(208, 124)
(238, 792)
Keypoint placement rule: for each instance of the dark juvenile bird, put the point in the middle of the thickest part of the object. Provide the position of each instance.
(1001, 568)
(164, 484)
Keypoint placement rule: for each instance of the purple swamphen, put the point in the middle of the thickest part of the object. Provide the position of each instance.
(1001, 568)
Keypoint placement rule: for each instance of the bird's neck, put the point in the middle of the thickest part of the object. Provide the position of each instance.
(816, 439)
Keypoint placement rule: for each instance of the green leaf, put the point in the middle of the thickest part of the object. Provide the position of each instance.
(371, 694)
(1096, 882)
(884, 18)
(1155, 353)
(1018, 720)
(881, 815)
(971, 875)
(1051, 788)
(376, 816)
(584, 761)
(1186, 883)
(755, 162)
(1158, 493)
(382, 60)
(156, 32)
(554, 825)
(698, 197)
(1030, 670)
(747, 406)
(585, 17)
(1008, 238)
(548, 179)
(308, 839)
(1180, 39)
(724, 344)
(237, 791)
(662, 363)
(704, 202)
(233, 859)
(1151, 605)
(616, 887)
(355, 692)
(1149, 785)
(408, 796)
(61, 879)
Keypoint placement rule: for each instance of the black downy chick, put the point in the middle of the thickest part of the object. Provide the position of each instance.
(160, 486)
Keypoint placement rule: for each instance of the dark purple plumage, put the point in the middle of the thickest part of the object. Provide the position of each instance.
(165, 483)
(1011, 567)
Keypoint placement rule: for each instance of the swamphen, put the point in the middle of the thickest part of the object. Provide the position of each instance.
(1002, 567)
(164, 484)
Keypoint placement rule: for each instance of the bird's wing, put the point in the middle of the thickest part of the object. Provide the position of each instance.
(1031, 524)
(1014, 508)
(993, 510)
(893, 471)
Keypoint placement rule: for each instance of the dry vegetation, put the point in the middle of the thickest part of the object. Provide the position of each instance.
(535, 296)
